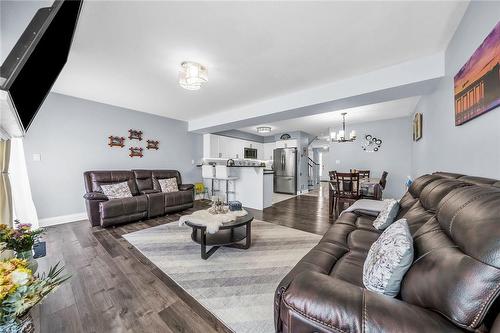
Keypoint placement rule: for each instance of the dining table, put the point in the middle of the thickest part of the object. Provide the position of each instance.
(369, 188)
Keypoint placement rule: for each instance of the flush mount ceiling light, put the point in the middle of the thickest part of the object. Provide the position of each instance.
(263, 129)
(341, 135)
(192, 75)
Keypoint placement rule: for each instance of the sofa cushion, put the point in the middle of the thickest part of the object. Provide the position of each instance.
(389, 258)
(420, 183)
(457, 268)
(435, 191)
(125, 206)
(387, 215)
(164, 174)
(116, 191)
(168, 185)
(94, 180)
(178, 198)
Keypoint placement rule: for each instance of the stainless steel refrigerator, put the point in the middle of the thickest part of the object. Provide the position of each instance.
(285, 170)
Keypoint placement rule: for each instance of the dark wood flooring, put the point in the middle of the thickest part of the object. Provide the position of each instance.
(114, 288)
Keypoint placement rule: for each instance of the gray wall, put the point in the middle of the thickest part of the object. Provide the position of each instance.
(474, 147)
(393, 157)
(71, 134)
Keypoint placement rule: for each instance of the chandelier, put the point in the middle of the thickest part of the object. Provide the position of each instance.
(341, 135)
(263, 129)
(192, 75)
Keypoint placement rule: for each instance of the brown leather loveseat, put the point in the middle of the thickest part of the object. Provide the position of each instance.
(453, 284)
(147, 200)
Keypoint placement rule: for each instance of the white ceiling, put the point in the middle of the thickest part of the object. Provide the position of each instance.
(128, 53)
(319, 124)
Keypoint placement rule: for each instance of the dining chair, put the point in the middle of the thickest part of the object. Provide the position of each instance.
(363, 173)
(383, 180)
(347, 189)
(332, 188)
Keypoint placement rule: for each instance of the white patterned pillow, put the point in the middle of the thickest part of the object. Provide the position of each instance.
(116, 191)
(387, 215)
(168, 185)
(388, 260)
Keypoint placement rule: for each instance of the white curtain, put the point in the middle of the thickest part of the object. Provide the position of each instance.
(24, 208)
(5, 188)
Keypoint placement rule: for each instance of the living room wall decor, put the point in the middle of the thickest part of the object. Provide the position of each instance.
(116, 141)
(135, 135)
(371, 144)
(417, 126)
(153, 144)
(135, 152)
(477, 83)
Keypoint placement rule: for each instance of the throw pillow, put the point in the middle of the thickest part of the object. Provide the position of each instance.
(168, 185)
(387, 215)
(116, 191)
(388, 260)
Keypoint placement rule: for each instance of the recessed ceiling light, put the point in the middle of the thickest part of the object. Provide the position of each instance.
(192, 75)
(263, 129)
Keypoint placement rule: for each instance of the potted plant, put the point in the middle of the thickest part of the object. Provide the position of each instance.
(21, 240)
(20, 290)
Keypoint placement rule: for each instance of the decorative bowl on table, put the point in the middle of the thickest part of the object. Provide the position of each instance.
(218, 207)
(235, 205)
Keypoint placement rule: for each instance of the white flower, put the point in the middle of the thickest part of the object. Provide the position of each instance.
(19, 277)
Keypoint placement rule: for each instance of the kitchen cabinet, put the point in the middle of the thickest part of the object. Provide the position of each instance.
(268, 150)
(292, 143)
(217, 146)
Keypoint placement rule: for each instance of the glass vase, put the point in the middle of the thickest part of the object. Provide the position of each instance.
(28, 256)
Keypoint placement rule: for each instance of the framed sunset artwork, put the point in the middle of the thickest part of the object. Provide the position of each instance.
(477, 83)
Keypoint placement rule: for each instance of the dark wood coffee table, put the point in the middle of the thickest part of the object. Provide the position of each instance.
(229, 235)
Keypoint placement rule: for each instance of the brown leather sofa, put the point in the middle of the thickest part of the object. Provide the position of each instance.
(147, 200)
(453, 284)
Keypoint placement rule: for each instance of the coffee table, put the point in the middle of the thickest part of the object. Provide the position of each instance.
(228, 235)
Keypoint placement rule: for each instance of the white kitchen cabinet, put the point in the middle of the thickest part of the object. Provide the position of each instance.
(226, 147)
(210, 146)
(292, 143)
(268, 150)
(217, 146)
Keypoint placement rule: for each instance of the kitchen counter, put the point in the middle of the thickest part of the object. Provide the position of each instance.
(239, 166)
(250, 185)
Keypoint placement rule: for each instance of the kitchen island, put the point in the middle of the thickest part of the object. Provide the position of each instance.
(250, 184)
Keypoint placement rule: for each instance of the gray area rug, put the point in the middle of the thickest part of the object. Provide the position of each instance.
(237, 286)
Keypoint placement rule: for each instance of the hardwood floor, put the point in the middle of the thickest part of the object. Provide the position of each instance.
(114, 288)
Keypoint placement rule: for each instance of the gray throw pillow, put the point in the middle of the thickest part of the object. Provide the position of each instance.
(387, 215)
(116, 191)
(388, 260)
(168, 185)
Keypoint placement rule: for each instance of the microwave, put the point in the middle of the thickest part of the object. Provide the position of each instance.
(250, 153)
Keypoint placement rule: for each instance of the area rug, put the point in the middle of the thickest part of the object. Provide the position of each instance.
(235, 285)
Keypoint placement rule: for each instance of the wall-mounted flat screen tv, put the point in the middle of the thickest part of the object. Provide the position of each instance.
(33, 65)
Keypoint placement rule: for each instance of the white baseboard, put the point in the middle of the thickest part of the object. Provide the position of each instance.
(62, 219)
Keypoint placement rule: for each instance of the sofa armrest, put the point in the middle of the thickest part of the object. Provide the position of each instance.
(95, 196)
(186, 187)
(320, 301)
(150, 191)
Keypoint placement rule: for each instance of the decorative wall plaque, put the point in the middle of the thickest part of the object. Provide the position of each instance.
(135, 152)
(134, 135)
(116, 141)
(152, 144)
(371, 144)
